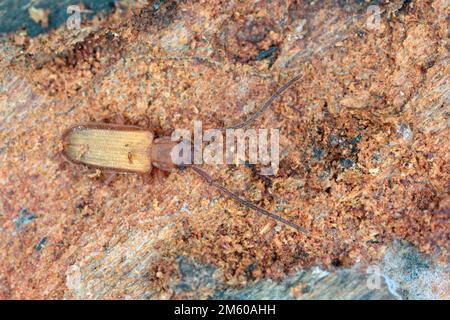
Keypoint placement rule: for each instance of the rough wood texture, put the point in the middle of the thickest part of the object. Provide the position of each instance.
(364, 140)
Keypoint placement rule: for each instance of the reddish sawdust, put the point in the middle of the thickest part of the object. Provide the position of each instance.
(364, 143)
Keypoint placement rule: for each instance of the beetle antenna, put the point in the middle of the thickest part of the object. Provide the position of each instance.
(244, 202)
(266, 105)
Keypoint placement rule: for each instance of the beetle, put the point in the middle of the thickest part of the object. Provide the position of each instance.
(131, 149)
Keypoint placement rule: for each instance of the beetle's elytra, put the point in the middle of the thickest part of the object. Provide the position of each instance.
(117, 148)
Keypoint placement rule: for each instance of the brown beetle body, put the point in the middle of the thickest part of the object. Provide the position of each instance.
(131, 149)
